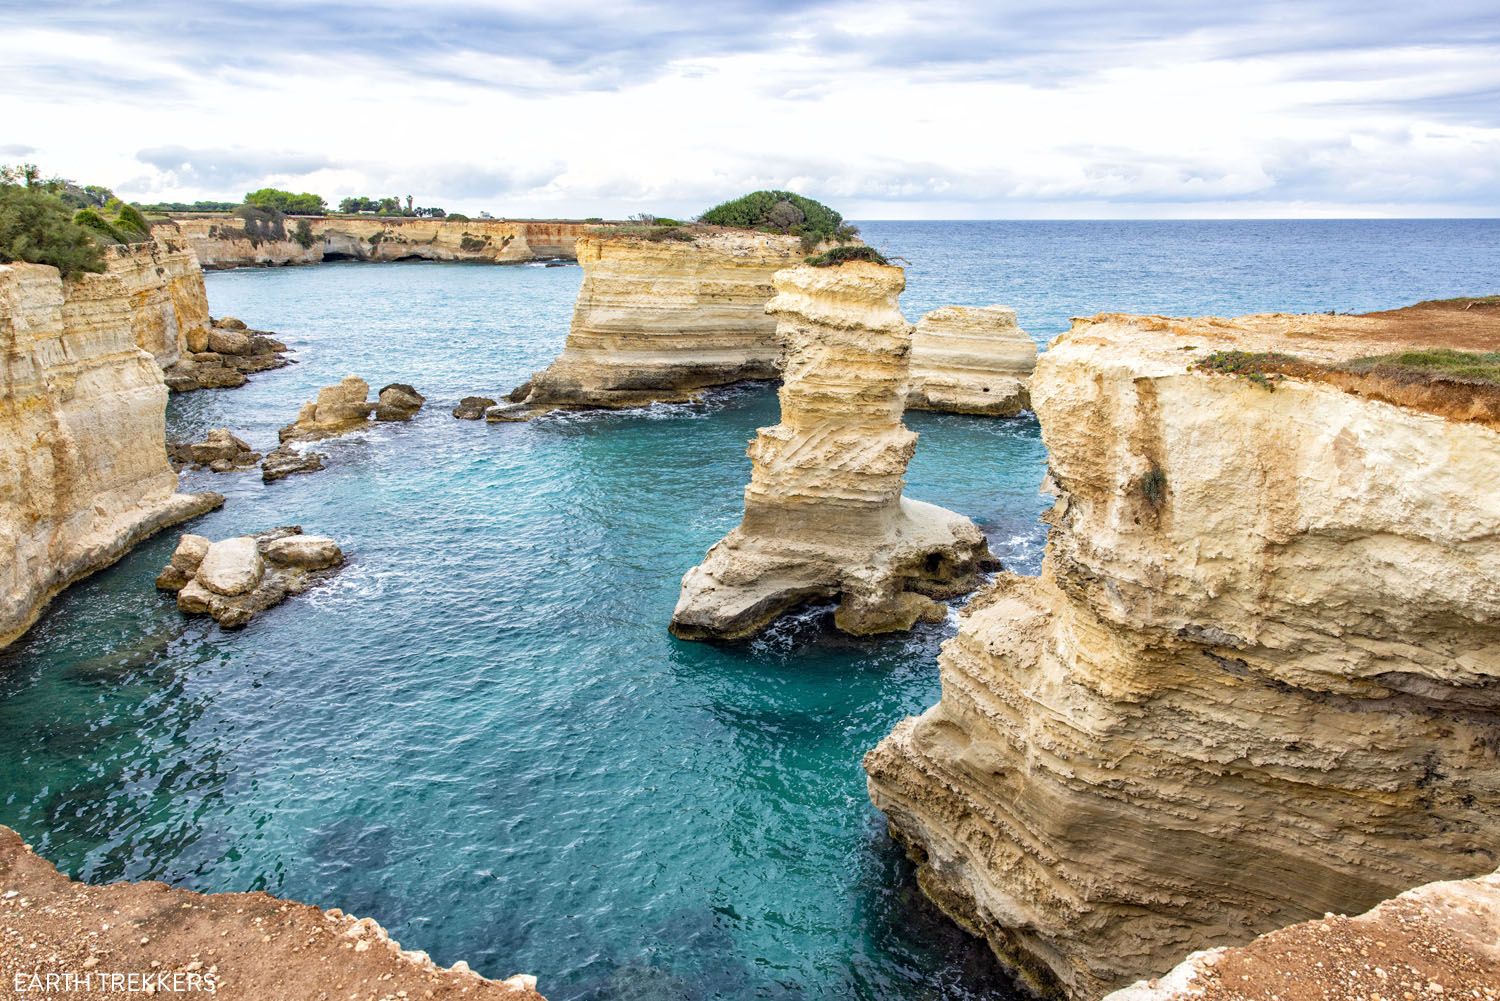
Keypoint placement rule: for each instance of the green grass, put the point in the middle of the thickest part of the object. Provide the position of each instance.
(1477, 366)
(1255, 366)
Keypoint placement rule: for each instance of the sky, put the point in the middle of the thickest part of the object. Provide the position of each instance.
(556, 108)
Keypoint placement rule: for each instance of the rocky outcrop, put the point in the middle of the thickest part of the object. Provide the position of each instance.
(824, 516)
(971, 360)
(398, 402)
(59, 937)
(222, 355)
(287, 460)
(163, 285)
(235, 579)
(661, 320)
(472, 408)
(342, 408)
(222, 241)
(83, 467)
(1258, 678)
(221, 451)
(1441, 940)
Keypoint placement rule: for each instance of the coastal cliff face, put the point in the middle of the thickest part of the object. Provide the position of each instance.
(220, 241)
(824, 516)
(163, 285)
(661, 320)
(83, 467)
(235, 946)
(971, 360)
(1256, 680)
(1438, 940)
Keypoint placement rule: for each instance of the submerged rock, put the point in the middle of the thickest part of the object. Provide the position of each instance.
(824, 515)
(221, 451)
(398, 402)
(472, 408)
(286, 461)
(235, 579)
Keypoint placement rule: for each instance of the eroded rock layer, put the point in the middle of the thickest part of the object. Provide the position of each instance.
(221, 241)
(824, 516)
(660, 320)
(83, 459)
(971, 360)
(163, 285)
(62, 938)
(1258, 678)
(1441, 940)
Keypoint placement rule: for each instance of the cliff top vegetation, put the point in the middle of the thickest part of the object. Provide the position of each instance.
(843, 254)
(39, 226)
(783, 212)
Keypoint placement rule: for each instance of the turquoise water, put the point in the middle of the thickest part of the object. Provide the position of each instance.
(481, 733)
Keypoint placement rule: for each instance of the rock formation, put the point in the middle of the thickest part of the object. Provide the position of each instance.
(472, 408)
(220, 356)
(222, 241)
(163, 284)
(1256, 680)
(234, 579)
(971, 360)
(660, 320)
(398, 402)
(229, 946)
(287, 460)
(1441, 940)
(824, 516)
(339, 409)
(221, 451)
(83, 467)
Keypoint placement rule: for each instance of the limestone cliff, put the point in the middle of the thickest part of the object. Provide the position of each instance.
(1259, 676)
(221, 241)
(163, 284)
(824, 516)
(83, 467)
(1440, 940)
(63, 938)
(663, 319)
(971, 360)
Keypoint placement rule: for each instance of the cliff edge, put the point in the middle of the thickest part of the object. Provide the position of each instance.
(1258, 678)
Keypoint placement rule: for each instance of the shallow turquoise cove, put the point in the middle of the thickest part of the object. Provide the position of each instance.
(481, 733)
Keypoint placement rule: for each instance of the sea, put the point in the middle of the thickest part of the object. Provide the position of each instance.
(481, 733)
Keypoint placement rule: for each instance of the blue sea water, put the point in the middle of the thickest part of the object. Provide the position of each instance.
(481, 733)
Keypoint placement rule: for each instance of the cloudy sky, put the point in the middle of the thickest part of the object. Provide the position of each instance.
(1082, 109)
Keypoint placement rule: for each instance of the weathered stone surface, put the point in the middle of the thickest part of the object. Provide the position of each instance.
(664, 320)
(1258, 678)
(472, 408)
(228, 342)
(228, 946)
(398, 402)
(231, 323)
(971, 360)
(224, 357)
(223, 243)
(338, 410)
(286, 461)
(164, 286)
(824, 516)
(220, 450)
(231, 567)
(1441, 940)
(241, 577)
(83, 462)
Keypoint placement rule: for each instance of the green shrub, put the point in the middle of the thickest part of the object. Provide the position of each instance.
(286, 202)
(457, 217)
(1259, 367)
(470, 244)
(38, 228)
(261, 225)
(842, 254)
(783, 212)
(303, 234)
(1475, 366)
(91, 220)
(1153, 486)
(129, 221)
(590, 219)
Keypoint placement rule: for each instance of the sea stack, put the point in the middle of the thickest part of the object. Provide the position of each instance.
(662, 317)
(1258, 678)
(824, 516)
(971, 360)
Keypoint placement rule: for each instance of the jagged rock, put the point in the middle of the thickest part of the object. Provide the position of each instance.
(235, 579)
(824, 516)
(230, 323)
(82, 428)
(231, 567)
(1258, 678)
(221, 358)
(225, 341)
(338, 410)
(398, 402)
(971, 360)
(1441, 940)
(221, 451)
(518, 394)
(286, 461)
(472, 408)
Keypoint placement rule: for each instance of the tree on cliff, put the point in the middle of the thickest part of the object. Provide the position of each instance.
(782, 212)
(36, 227)
(286, 202)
